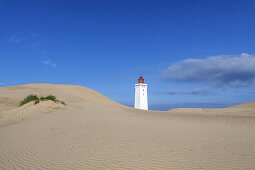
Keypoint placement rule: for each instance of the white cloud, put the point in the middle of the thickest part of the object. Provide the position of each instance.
(49, 62)
(224, 70)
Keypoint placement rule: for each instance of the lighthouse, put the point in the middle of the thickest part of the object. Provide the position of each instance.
(141, 100)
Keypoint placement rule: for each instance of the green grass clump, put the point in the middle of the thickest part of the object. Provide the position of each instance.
(28, 99)
(50, 97)
(42, 98)
(62, 102)
(38, 100)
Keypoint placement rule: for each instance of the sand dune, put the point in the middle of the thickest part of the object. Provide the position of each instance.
(242, 110)
(94, 132)
(249, 105)
(30, 108)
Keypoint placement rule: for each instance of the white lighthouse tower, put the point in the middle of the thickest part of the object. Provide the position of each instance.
(141, 100)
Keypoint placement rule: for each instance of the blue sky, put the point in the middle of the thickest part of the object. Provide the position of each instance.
(197, 53)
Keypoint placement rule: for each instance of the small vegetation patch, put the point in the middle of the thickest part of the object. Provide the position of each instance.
(28, 99)
(37, 100)
(50, 97)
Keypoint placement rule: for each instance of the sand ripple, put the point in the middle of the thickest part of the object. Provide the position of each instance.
(88, 142)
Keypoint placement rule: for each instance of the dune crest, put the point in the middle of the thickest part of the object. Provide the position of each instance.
(243, 110)
(249, 105)
(72, 94)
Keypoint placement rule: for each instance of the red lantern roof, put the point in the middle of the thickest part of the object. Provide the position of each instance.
(140, 80)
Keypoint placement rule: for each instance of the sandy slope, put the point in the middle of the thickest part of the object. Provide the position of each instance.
(94, 132)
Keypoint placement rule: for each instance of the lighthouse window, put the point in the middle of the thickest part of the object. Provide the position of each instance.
(143, 89)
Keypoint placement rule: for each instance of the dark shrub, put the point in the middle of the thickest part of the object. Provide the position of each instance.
(50, 97)
(42, 98)
(28, 99)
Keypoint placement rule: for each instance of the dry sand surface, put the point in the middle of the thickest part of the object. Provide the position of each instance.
(94, 132)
